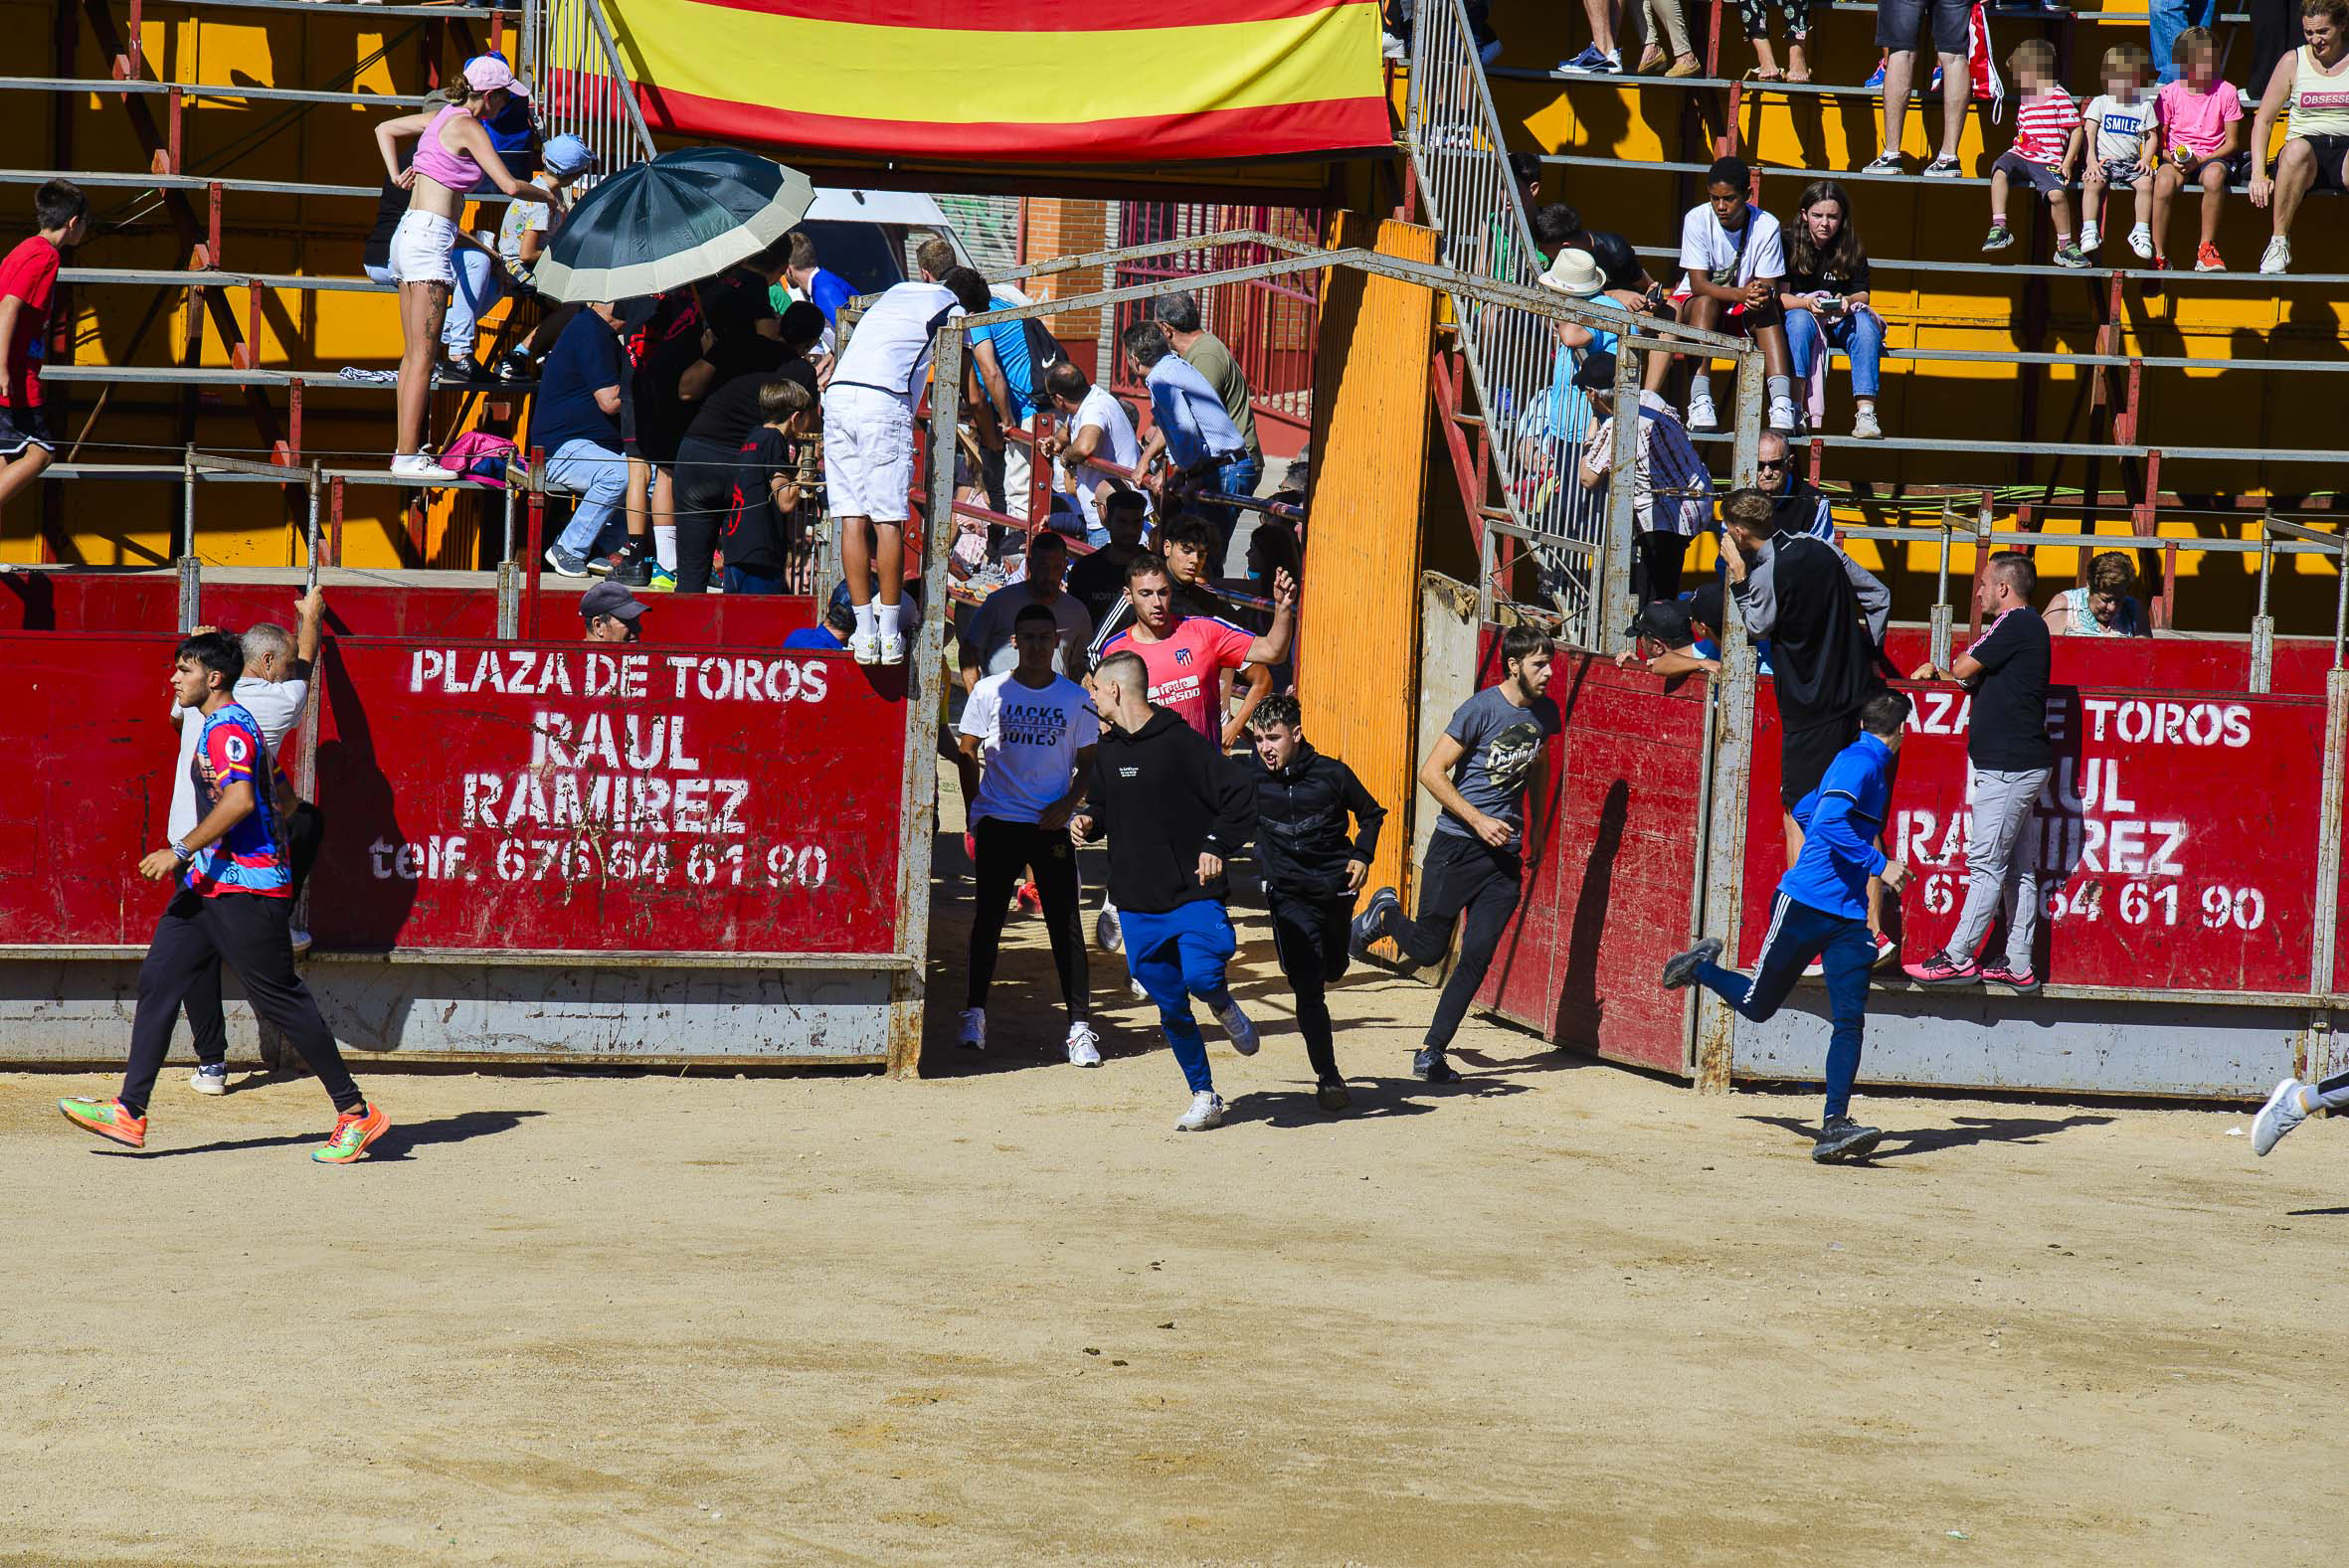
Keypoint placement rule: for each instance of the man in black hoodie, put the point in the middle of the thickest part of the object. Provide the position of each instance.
(1173, 807)
(1312, 870)
(1824, 615)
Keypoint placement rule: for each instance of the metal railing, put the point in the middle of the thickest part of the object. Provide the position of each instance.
(1533, 419)
(572, 61)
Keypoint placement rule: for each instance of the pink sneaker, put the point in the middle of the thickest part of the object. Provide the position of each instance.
(1938, 970)
(1887, 950)
(2025, 980)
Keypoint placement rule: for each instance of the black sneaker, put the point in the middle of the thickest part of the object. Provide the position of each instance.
(514, 367)
(631, 570)
(1680, 969)
(1332, 1094)
(1370, 924)
(1842, 1139)
(1429, 1066)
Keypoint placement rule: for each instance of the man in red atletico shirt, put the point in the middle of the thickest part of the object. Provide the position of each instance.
(234, 898)
(28, 277)
(1186, 655)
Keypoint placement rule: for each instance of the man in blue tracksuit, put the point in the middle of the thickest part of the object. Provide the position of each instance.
(1822, 912)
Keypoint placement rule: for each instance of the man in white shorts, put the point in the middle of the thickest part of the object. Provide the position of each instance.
(868, 436)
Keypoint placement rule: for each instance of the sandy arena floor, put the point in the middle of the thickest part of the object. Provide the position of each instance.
(1557, 1314)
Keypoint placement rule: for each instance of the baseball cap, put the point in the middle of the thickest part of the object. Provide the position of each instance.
(1666, 620)
(609, 599)
(488, 73)
(566, 155)
(1596, 373)
(1705, 606)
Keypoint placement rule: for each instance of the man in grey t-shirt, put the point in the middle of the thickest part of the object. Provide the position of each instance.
(1479, 773)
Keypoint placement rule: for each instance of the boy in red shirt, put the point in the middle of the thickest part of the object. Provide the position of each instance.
(1186, 655)
(2047, 149)
(28, 277)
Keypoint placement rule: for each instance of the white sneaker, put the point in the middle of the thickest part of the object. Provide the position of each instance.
(1206, 1110)
(2141, 242)
(2278, 257)
(1135, 987)
(1084, 1046)
(210, 1079)
(864, 646)
(1392, 47)
(973, 1034)
(1864, 428)
(1243, 1033)
(1701, 414)
(1109, 933)
(300, 940)
(892, 648)
(1782, 417)
(2091, 237)
(415, 466)
(2279, 1115)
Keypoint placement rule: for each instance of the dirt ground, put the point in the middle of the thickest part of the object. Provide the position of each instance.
(1557, 1314)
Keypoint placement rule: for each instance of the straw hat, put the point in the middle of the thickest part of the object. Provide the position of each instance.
(1575, 274)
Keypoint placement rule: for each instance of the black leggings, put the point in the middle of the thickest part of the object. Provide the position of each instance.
(1004, 850)
(247, 931)
(1462, 875)
(1311, 937)
(305, 830)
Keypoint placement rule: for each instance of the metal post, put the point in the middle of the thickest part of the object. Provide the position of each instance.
(190, 575)
(509, 600)
(310, 542)
(1612, 593)
(2263, 625)
(1745, 447)
(2328, 834)
(1485, 569)
(528, 624)
(1722, 854)
(1938, 653)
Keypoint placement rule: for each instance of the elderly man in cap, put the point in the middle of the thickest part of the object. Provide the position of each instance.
(611, 612)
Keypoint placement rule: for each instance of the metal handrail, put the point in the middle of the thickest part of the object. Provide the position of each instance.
(1515, 364)
(570, 54)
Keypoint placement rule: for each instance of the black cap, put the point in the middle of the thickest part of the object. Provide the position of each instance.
(1596, 373)
(1666, 620)
(802, 322)
(609, 599)
(1706, 606)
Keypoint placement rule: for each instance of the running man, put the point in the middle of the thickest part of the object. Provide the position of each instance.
(235, 897)
(1187, 656)
(1822, 911)
(868, 436)
(1312, 871)
(1479, 773)
(1026, 755)
(2292, 1102)
(1174, 809)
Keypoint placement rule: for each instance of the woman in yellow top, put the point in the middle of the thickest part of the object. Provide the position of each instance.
(2314, 81)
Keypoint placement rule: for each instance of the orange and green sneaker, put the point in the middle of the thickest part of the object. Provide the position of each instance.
(107, 1119)
(353, 1131)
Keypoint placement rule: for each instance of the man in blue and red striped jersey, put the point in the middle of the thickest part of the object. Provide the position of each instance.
(235, 900)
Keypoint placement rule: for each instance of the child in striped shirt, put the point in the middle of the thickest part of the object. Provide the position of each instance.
(2047, 149)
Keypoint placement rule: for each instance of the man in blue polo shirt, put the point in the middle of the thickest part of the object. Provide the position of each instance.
(1007, 371)
(1822, 912)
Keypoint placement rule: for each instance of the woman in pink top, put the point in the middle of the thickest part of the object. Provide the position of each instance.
(2202, 125)
(453, 155)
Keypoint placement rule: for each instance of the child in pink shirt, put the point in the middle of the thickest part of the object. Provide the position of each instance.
(2201, 122)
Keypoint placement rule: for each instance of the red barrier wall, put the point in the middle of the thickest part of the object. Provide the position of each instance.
(1609, 898)
(2175, 847)
(2201, 663)
(495, 795)
(574, 798)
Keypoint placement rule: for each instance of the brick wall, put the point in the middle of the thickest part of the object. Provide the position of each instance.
(1057, 227)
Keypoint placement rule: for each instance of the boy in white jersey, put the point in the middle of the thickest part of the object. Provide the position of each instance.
(2120, 123)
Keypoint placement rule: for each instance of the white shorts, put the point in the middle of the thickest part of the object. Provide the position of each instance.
(421, 247)
(868, 454)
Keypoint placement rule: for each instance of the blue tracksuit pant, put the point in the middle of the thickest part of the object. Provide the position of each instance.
(1798, 934)
(1179, 954)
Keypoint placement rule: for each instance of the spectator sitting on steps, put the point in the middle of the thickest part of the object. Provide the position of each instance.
(2105, 608)
(2314, 81)
(576, 422)
(1825, 297)
(1733, 257)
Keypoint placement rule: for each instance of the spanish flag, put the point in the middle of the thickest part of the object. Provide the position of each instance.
(1030, 82)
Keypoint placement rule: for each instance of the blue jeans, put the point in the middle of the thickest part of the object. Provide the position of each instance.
(478, 287)
(1860, 334)
(1176, 955)
(752, 580)
(598, 476)
(1799, 934)
(1232, 478)
(2169, 18)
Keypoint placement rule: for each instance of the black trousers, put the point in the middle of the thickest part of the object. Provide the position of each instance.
(247, 931)
(305, 830)
(1656, 562)
(1004, 850)
(708, 474)
(1311, 935)
(1463, 876)
(2275, 33)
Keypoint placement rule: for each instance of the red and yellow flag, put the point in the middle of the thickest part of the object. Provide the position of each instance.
(1037, 82)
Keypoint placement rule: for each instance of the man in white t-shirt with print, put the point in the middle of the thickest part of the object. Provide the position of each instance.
(869, 438)
(1026, 738)
(1093, 424)
(1733, 254)
(276, 690)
